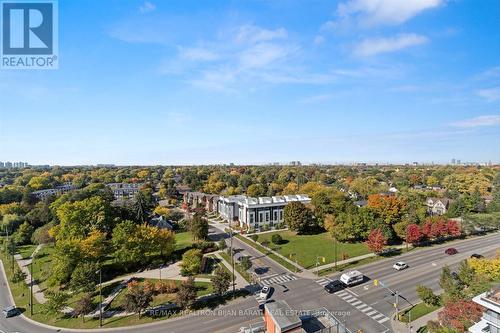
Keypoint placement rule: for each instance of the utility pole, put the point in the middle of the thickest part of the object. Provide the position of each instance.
(31, 286)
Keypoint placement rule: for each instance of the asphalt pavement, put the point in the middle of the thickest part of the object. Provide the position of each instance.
(364, 307)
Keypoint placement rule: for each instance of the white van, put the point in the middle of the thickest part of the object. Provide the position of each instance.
(351, 278)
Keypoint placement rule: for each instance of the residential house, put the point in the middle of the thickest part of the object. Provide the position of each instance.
(437, 206)
(490, 322)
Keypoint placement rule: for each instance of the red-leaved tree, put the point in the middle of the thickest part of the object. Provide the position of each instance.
(460, 315)
(454, 228)
(413, 234)
(439, 229)
(376, 240)
(427, 230)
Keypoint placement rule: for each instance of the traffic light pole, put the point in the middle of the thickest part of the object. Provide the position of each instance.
(394, 293)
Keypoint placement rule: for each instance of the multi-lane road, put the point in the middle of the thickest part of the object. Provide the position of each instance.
(364, 307)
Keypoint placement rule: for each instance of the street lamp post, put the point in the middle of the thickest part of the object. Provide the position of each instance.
(31, 285)
(232, 255)
(100, 296)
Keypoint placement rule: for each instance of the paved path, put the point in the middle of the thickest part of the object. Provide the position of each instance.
(24, 265)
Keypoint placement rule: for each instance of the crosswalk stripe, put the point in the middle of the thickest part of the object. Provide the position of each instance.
(367, 309)
(343, 293)
(377, 317)
(352, 301)
(356, 303)
(362, 306)
(371, 313)
(383, 320)
(348, 298)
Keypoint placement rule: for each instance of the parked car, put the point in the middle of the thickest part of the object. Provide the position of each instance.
(334, 286)
(476, 256)
(10, 311)
(400, 265)
(451, 251)
(264, 292)
(352, 278)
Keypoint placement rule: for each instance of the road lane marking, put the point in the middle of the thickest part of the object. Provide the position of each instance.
(383, 320)
(352, 292)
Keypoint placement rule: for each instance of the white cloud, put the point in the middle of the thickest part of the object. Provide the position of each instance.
(262, 55)
(384, 12)
(490, 94)
(480, 121)
(198, 54)
(318, 40)
(374, 46)
(253, 34)
(147, 7)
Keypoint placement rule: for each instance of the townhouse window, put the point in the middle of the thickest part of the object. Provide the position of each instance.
(275, 218)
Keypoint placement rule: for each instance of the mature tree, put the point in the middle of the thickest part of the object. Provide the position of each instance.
(427, 296)
(460, 314)
(452, 289)
(24, 233)
(376, 240)
(256, 190)
(84, 306)
(413, 234)
(246, 263)
(56, 302)
(298, 217)
(186, 295)
(79, 218)
(221, 280)
(466, 274)
(191, 262)
(142, 206)
(198, 226)
(83, 277)
(10, 222)
(41, 235)
(137, 298)
(388, 208)
(453, 228)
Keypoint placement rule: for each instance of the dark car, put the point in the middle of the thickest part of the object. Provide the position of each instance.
(451, 251)
(10, 311)
(334, 286)
(476, 256)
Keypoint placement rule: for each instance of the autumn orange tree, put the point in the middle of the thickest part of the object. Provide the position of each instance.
(376, 240)
(460, 315)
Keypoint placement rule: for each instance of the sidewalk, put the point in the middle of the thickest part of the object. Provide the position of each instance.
(400, 327)
(24, 266)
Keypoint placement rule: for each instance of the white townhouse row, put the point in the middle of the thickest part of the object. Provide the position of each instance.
(255, 213)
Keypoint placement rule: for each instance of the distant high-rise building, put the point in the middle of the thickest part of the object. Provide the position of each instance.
(2, 165)
(459, 162)
(453, 161)
(8, 165)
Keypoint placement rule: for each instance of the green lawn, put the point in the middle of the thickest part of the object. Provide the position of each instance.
(308, 247)
(271, 255)
(417, 311)
(26, 250)
(183, 240)
(237, 267)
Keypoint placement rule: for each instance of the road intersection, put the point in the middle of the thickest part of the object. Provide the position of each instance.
(364, 307)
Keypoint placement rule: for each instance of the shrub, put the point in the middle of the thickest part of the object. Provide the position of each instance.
(254, 237)
(246, 263)
(277, 239)
(222, 244)
(427, 296)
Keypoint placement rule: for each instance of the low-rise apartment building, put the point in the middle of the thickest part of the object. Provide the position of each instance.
(124, 190)
(490, 322)
(43, 194)
(256, 213)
